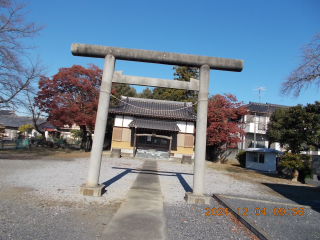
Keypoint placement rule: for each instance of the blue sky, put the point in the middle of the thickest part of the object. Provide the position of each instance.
(267, 35)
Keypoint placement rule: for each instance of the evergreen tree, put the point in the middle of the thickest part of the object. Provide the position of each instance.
(121, 89)
(180, 95)
(275, 126)
(296, 127)
(146, 93)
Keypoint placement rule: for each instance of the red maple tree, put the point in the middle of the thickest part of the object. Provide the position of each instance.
(225, 127)
(71, 97)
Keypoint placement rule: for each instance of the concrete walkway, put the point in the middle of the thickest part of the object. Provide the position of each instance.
(142, 215)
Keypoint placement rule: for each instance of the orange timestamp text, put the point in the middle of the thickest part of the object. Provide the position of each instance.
(216, 211)
(276, 211)
(257, 211)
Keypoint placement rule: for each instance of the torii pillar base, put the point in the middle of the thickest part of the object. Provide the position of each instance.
(197, 199)
(96, 191)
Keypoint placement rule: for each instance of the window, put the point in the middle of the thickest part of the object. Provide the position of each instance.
(261, 158)
(163, 142)
(117, 134)
(188, 141)
(259, 144)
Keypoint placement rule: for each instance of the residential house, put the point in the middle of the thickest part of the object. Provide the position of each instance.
(256, 121)
(12, 122)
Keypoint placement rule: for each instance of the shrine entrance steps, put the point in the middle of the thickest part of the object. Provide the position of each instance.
(152, 153)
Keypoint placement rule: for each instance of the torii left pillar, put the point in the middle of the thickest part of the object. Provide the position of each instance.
(92, 186)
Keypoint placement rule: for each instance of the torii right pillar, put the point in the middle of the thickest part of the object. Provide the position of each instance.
(197, 196)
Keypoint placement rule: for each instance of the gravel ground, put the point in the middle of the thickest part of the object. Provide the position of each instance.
(235, 185)
(189, 221)
(38, 198)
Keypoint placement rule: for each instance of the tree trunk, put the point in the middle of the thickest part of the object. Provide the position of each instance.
(84, 137)
(38, 129)
(90, 138)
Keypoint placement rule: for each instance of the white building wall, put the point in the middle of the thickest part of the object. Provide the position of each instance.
(127, 120)
(250, 128)
(182, 126)
(190, 127)
(269, 164)
(118, 120)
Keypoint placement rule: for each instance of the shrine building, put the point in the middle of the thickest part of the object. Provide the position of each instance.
(145, 127)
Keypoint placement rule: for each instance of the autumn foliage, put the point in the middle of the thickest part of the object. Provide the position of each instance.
(71, 96)
(225, 127)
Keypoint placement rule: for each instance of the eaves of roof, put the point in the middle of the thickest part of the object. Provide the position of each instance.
(154, 109)
(154, 124)
(263, 107)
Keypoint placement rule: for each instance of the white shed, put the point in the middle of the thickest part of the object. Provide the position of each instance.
(262, 159)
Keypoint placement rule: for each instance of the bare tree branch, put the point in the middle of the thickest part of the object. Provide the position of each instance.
(307, 73)
(17, 70)
(33, 109)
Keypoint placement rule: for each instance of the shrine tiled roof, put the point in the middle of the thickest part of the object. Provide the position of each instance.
(263, 107)
(142, 107)
(154, 124)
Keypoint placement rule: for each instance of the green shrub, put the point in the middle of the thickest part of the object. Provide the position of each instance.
(59, 140)
(241, 157)
(300, 162)
(39, 136)
(76, 133)
(295, 161)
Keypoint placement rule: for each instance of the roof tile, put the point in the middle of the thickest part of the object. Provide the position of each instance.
(155, 108)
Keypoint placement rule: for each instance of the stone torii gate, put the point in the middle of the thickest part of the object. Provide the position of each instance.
(110, 54)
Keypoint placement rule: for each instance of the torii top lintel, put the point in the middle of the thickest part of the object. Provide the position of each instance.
(137, 55)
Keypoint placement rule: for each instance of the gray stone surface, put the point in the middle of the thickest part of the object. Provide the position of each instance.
(115, 153)
(186, 159)
(145, 153)
(141, 216)
(138, 55)
(155, 82)
(101, 122)
(284, 227)
(197, 199)
(97, 191)
(200, 148)
(313, 182)
(261, 234)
